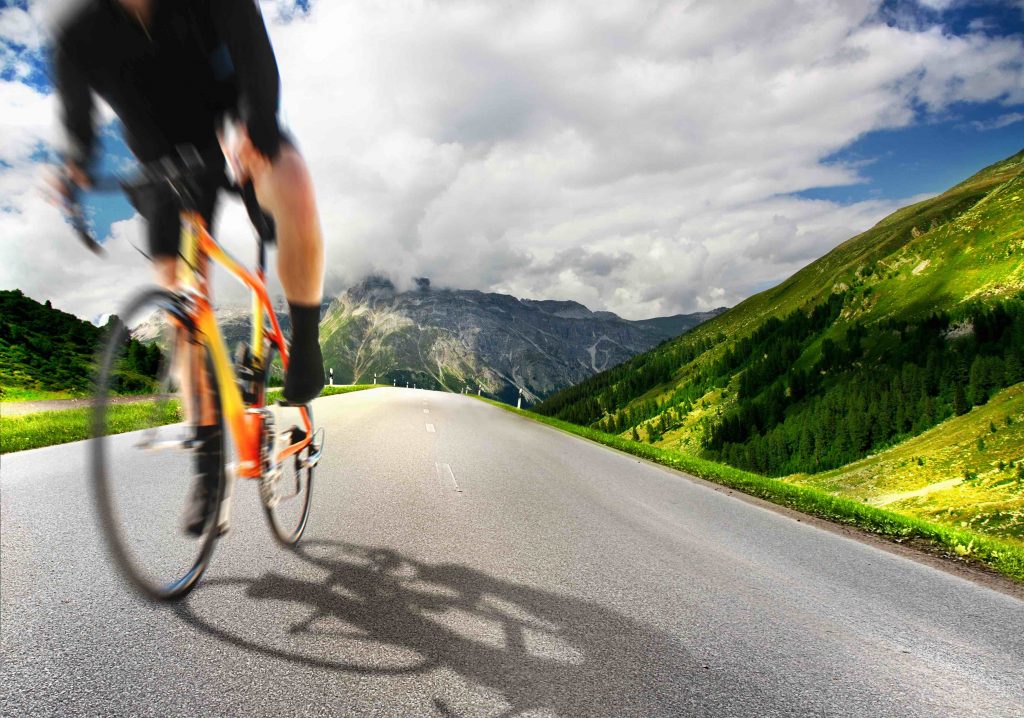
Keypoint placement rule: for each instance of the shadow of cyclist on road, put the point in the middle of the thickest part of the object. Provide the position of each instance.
(389, 614)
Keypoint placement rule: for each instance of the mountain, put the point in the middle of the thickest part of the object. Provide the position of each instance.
(679, 324)
(894, 332)
(449, 338)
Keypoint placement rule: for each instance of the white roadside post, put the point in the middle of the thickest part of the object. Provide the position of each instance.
(519, 401)
(375, 378)
(332, 376)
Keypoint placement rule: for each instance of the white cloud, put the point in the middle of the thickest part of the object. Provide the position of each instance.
(939, 5)
(997, 123)
(27, 122)
(635, 156)
(19, 26)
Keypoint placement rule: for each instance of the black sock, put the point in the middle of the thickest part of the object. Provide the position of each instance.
(208, 451)
(209, 463)
(305, 377)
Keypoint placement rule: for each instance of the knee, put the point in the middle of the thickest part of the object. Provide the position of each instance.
(166, 270)
(288, 179)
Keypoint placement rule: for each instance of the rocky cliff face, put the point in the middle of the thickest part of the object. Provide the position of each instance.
(451, 339)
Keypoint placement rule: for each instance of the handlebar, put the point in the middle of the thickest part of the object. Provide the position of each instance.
(73, 207)
(179, 174)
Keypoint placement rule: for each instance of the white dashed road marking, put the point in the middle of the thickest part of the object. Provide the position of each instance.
(430, 428)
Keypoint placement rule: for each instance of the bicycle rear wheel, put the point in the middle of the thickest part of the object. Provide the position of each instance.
(288, 497)
(288, 512)
(144, 480)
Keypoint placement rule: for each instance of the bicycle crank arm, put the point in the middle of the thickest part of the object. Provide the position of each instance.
(165, 445)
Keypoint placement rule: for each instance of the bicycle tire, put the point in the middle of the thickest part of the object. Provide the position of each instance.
(106, 474)
(288, 530)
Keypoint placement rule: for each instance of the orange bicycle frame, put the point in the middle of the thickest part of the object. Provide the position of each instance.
(198, 247)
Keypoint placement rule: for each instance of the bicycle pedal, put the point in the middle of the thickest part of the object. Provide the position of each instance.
(316, 449)
(187, 444)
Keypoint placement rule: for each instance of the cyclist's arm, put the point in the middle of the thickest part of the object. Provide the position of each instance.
(240, 25)
(76, 106)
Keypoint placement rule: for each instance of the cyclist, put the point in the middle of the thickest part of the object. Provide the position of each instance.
(174, 71)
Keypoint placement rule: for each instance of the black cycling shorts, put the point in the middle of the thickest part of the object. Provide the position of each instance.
(161, 207)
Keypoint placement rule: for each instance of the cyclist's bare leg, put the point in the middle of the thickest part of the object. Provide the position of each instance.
(284, 189)
(166, 271)
(186, 358)
(209, 442)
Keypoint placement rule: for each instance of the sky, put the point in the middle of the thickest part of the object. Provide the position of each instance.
(641, 157)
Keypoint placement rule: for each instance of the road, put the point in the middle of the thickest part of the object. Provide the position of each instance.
(464, 561)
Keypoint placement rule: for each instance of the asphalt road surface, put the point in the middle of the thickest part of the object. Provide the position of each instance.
(463, 561)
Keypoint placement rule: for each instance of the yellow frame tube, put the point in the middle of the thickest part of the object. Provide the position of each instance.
(196, 242)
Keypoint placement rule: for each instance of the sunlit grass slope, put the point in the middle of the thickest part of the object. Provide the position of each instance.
(966, 472)
(955, 256)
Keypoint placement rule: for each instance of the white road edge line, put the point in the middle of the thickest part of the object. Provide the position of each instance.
(426, 411)
(430, 428)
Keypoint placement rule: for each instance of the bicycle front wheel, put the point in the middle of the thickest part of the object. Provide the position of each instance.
(154, 470)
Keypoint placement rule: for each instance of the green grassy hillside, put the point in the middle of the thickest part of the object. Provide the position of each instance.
(968, 471)
(44, 352)
(965, 243)
(49, 354)
(895, 334)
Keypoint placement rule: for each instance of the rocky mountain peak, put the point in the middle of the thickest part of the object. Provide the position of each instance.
(373, 288)
(565, 309)
(454, 338)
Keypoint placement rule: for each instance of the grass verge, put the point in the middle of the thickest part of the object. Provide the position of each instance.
(17, 393)
(275, 394)
(47, 428)
(1001, 556)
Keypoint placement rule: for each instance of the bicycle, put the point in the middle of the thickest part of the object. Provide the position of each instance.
(189, 371)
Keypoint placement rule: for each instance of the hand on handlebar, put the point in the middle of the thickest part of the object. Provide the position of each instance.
(64, 186)
(63, 182)
(76, 175)
(247, 162)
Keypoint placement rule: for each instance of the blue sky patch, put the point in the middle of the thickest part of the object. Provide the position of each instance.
(928, 157)
(994, 18)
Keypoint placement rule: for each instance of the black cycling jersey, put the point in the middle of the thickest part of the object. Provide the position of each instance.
(171, 80)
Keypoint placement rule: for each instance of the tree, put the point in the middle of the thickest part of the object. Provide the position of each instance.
(960, 406)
